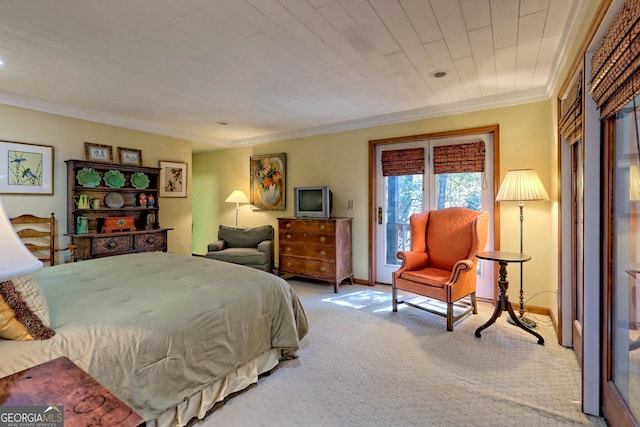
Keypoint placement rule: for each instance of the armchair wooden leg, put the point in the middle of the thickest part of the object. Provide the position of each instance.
(473, 303)
(449, 316)
(394, 298)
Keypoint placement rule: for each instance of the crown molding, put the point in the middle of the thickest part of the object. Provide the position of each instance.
(484, 103)
(58, 109)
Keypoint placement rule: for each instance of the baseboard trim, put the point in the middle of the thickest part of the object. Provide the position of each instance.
(527, 308)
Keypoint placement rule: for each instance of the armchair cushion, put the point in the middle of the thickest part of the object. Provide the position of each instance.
(428, 276)
(244, 256)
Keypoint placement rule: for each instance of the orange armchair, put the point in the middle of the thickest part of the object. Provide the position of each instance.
(442, 264)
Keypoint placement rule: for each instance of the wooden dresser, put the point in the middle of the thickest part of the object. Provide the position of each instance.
(316, 248)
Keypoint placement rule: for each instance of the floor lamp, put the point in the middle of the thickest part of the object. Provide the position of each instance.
(237, 197)
(521, 185)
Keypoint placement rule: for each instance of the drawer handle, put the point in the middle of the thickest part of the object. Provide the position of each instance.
(322, 239)
(321, 226)
(288, 236)
(323, 269)
(288, 249)
(288, 225)
(323, 253)
(288, 264)
(111, 244)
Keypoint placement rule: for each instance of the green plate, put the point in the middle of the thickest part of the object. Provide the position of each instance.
(139, 180)
(88, 177)
(114, 179)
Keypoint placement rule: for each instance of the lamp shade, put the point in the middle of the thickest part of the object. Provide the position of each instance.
(522, 185)
(237, 196)
(15, 259)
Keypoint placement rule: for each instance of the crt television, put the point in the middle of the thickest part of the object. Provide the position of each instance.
(312, 202)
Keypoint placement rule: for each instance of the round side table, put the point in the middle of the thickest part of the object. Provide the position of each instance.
(503, 259)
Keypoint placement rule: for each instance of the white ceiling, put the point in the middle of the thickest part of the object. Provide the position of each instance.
(274, 69)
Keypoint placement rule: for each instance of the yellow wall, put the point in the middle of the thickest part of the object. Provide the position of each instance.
(67, 136)
(340, 160)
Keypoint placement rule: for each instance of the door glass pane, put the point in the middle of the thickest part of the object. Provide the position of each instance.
(403, 198)
(626, 261)
(459, 189)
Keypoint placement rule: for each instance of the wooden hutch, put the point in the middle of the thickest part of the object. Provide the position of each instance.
(115, 220)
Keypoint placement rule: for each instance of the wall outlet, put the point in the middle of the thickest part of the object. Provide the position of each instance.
(350, 204)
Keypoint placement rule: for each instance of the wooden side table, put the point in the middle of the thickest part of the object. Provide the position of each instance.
(504, 258)
(60, 382)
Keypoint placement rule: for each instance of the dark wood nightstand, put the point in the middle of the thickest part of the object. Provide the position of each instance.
(60, 382)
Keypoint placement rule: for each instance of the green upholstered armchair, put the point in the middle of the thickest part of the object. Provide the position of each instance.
(250, 246)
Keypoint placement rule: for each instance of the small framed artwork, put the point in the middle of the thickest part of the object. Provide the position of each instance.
(268, 179)
(98, 152)
(130, 156)
(173, 179)
(26, 168)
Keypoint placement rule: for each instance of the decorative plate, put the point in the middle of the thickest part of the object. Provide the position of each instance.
(139, 180)
(114, 200)
(114, 179)
(88, 177)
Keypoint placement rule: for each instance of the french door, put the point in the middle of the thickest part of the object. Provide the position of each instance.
(400, 196)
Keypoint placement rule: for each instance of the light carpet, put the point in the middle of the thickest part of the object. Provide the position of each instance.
(363, 365)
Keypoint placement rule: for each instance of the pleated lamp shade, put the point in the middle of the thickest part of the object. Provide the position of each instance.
(237, 196)
(522, 185)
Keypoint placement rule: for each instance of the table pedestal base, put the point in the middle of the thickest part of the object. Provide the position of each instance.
(504, 305)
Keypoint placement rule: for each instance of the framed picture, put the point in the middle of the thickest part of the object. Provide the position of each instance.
(268, 179)
(98, 152)
(173, 179)
(130, 156)
(26, 168)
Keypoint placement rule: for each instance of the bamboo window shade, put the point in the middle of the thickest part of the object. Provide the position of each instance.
(409, 161)
(615, 75)
(571, 113)
(459, 158)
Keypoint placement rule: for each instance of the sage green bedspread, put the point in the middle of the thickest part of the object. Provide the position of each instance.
(155, 328)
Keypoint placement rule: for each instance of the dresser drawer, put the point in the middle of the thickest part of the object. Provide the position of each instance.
(110, 245)
(307, 267)
(327, 253)
(324, 239)
(150, 241)
(307, 225)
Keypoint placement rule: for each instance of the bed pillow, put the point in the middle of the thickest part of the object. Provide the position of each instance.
(24, 313)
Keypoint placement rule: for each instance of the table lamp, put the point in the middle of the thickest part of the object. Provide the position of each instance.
(15, 259)
(237, 197)
(522, 185)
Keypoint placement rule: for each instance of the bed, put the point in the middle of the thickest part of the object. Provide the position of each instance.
(169, 334)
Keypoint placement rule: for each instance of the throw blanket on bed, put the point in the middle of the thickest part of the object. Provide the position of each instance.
(154, 328)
